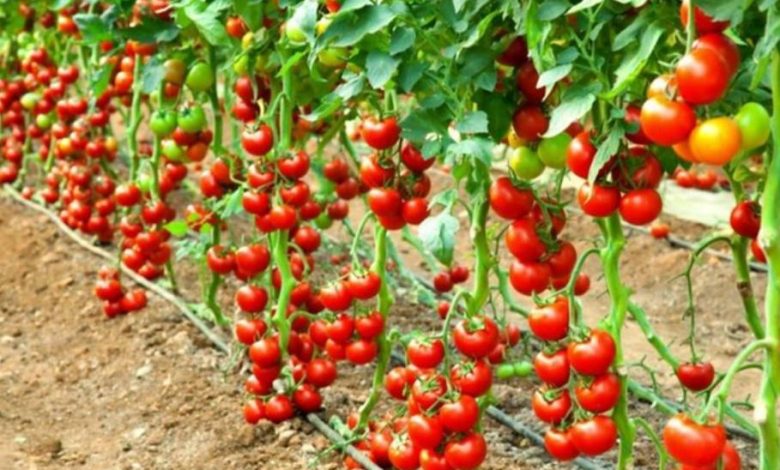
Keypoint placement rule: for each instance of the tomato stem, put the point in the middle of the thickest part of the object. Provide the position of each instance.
(619, 293)
(135, 118)
(482, 250)
(765, 413)
(214, 99)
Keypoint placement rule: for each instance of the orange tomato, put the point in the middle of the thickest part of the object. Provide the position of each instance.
(715, 141)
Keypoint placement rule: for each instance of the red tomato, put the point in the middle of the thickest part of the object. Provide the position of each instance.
(361, 351)
(530, 122)
(704, 23)
(336, 297)
(696, 377)
(364, 287)
(523, 241)
(552, 369)
(380, 135)
(702, 76)
(551, 408)
(560, 445)
(425, 432)
(594, 436)
(279, 408)
(593, 356)
(442, 282)
(515, 54)
(415, 210)
(467, 453)
(321, 372)
(369, 326)
(460, 415)
(638, 137)
(527, 78)
(426, 391)
(598, 200)
(508, 201)
(667, 122)
(529, 278)
(600, 395)
(398, 382)
(758, 252)
(730, 460)
(659, 230)
(404, 455)
(384, 202)
(691, 443)
(745, 219)
(580, 154)
(550, 322)
(307, 398)
(472, 378)
(425, 354)
(723, 46)
(413, 158)
(476, 337)
(641, 206)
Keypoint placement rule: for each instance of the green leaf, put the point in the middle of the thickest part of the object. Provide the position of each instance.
(380, 67)
(208, 20)
(445, 198)
(576, 103)
(99, 81)
(151, 30)
(350, 28)
(606, 150)
(629, 34)
(475, 148)
(351, 5)
(438, 236)
(178, 228)
(420, 122)
(487, 80)
(723, 9)
(552, 9)
(771, 37)
(584, 5)
(548, 78)
(251, 11)
(92, 28)
(475, 122)
(305, 16)
(499, 111)
(402, 39)
(153, 73)
(633, 64)
(410, 73)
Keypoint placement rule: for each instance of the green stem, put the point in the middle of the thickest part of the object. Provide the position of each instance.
(135, 119)
(215, 108)
(211, 292)
(481, 291)
(619, 294)
(280, 243)
(656, 341)
(765, 413)
(739, 247)
(384, 302)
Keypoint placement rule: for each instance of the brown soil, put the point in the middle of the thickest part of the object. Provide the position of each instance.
(147, 391)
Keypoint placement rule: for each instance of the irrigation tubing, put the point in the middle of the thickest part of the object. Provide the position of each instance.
(180, 305)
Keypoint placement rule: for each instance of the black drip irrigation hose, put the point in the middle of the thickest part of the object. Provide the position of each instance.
(216, 339)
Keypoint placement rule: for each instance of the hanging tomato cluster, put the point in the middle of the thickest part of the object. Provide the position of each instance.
(117, 301)
(578, 387)
(395, 195)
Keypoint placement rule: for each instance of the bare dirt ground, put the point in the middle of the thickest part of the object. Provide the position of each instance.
(147, 390)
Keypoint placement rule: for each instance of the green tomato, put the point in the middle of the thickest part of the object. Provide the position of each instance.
(191, 119)
(523, 368)
(44, 121)
(753, 122)
(172, 151)
(144, 183)
(505, 371)
(241, 65)
(552, 151)
(333, 57)
(162, 123)
(525, 163)
(29, 100)
(294, 33)
(200, 77)
(323, 221)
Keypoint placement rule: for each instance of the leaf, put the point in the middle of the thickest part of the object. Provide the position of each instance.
(475, 122)
(583, 5)
(178, 228)
(606, 150)
(153, 73)
(628, 35)
(251, 11)
(499, 111)
(769, 40)
(475, 148)
(351, 87)
(208, 21)
(445, 198)
(151, 30)
(487, 80)
(410, 73)
(438, 236)
(305, 16)
(350, 5)
(552, 9)
(633, 64)
(723, 9)
(92, 28)
(548, 78)
(350, 28)
(420, 122)
(402, 39)
(380, 67)
(574, 104)
(99, 81)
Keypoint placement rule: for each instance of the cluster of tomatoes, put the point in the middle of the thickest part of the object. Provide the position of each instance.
(395, 196)
(702, 77)
(705, 180)
(699, 446)
(337, 171)
(117, 301)
(578, 420)
(437, 429)
(445, 280)
(541, 260)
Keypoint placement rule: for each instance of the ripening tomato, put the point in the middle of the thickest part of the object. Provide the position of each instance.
(594, 355)
(523, 241)
(696, 377)
(472, 378)
(691, 443)
(598, 200)
(641, 206)
(704, 23)
(745, 219)
(476, 337)
(515, 54)
(551, 407)
(527, 78)
(666, 122)
(716, 141)
(509, 201)
(702, 76)
(659, 230)
(594, 436)
(552, 151)
(550, 322)
(560, 445)
(530, 122)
